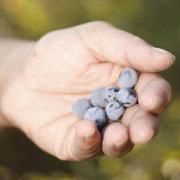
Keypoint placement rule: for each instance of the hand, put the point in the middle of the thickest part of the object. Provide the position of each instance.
(67, 65)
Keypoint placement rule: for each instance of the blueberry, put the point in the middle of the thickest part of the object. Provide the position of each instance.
(97, 115)
(128, 78)
(127, 97)
(110, 93)
(114, 110)
(97, 98)
(80, 107)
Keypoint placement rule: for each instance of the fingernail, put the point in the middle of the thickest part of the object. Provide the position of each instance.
(118, 145)
(162, 51)
(145, 136)
(89, 136)
(158, 103)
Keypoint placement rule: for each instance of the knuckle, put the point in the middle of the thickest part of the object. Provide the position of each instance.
(165, 88)
(47, 40)
(139, 40)
(97, 26)
(99, 23)
(41, 42)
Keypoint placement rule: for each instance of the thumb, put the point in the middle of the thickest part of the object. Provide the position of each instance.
(120, 47)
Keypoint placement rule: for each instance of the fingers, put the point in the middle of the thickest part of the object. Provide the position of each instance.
(116, 140)
(154, 93)
(83, 141)
(142, 126)
(114, 45)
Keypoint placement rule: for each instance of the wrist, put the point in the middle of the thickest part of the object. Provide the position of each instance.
(13, 54)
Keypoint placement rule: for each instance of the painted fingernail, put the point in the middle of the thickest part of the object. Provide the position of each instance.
(163, 51)
(89, 136)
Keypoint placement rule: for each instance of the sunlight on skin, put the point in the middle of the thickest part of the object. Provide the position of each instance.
(68, 64)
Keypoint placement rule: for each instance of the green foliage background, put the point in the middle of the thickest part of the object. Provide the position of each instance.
(158, 22)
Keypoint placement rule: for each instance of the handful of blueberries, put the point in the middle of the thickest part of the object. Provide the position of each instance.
(108, 103)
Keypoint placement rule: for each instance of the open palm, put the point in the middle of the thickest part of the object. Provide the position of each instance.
(67, 65)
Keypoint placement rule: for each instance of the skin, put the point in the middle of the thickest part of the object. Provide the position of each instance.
(41, 80)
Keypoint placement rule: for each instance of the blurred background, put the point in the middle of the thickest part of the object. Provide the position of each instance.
(158, 22)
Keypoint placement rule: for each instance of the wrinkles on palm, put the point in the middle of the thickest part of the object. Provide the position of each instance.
(57, 105)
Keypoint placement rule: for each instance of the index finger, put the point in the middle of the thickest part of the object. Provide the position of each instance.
(117, 46)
